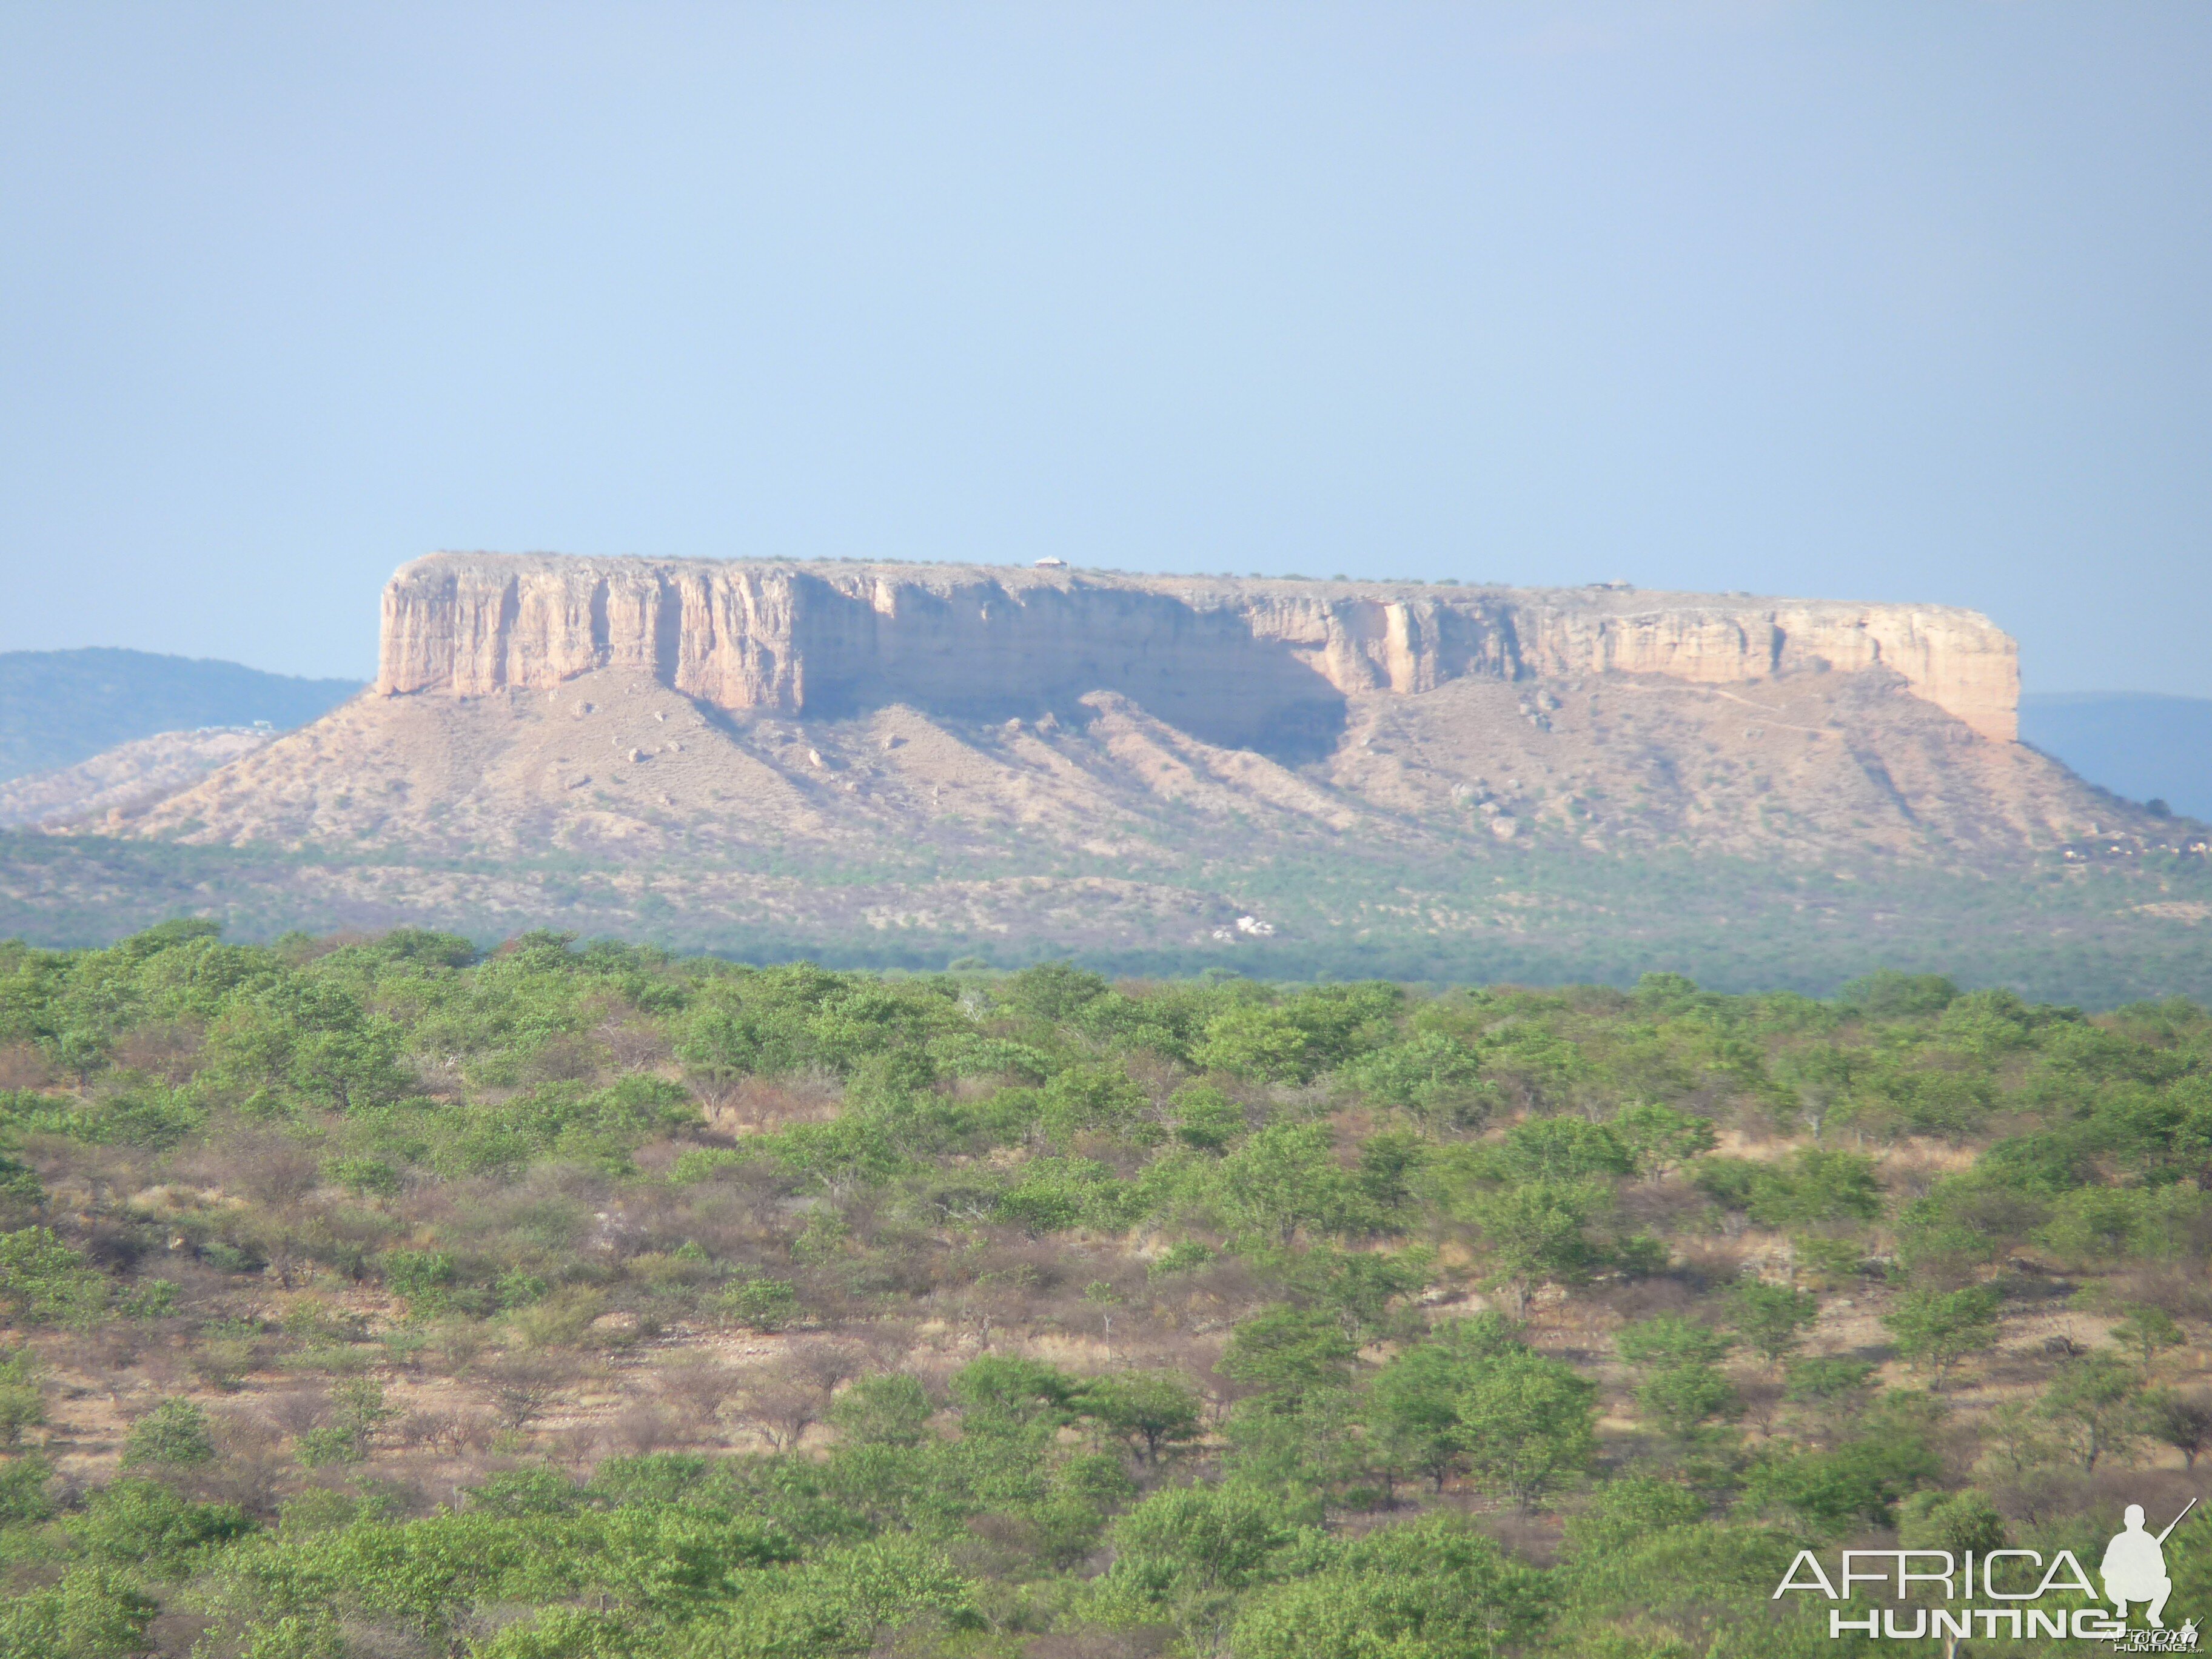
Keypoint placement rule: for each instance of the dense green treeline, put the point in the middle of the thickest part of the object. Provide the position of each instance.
(377, 1296)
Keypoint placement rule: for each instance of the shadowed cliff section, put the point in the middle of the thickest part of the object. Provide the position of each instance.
(989, 653)
(799, 640)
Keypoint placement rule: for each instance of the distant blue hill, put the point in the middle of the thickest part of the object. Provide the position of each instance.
(58, 708)
(2134, 744)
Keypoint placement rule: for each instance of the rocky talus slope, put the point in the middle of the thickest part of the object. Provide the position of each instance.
(612, 762)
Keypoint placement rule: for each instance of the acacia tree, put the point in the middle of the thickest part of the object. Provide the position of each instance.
(782, 1400)
(174, 1433)
(2181, 1421)
(1936, 1329)
(1684, 1388)
(313, 1038)
(1660, 1138)
(1287, 1353)
(890, 1409)
(1957, 1521)
(1144, 1408)
(523, 1387)
(1820, 1075)
(1682, 1400)
(1434, 1586)
(1772, 1317)
(1528, 1422)
(1283, 1178)
(2147, 1329)
(1534, 1232)
(2097, 1403)
(1413, 1413)
(1412, 1410)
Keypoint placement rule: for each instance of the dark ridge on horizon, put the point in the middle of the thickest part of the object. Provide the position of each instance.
(58, 708)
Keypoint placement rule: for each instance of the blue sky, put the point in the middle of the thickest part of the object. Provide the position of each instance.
(1869, 301)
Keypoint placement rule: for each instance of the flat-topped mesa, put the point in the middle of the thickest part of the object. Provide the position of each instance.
(1264, 664)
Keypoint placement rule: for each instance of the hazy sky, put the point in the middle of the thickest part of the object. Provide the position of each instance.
(1871, 301)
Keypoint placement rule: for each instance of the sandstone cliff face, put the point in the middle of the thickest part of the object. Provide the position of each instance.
(1262, 665)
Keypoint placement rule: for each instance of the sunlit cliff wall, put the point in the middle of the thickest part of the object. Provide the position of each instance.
(1266, 663)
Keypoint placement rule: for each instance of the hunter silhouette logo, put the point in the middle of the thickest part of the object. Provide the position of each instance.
(1927, 1585)
(2134, 1568)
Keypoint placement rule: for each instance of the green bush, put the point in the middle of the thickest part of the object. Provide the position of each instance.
(174, 1432)
(424, 1279)
(1433, 1589)
(45, 1282)
(1253, 1040)
(763, 1304)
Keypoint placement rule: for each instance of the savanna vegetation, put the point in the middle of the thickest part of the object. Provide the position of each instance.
(374, 1296)
(2107, 923)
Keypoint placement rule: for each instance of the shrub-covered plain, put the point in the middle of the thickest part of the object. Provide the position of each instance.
(374, 1296)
